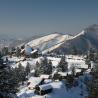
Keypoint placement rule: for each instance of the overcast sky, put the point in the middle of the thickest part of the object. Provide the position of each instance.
(26, 18)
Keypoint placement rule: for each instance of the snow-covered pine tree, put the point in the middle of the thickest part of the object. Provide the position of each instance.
(44, 67)
(62, 65)
(20, 74)
(7, 83)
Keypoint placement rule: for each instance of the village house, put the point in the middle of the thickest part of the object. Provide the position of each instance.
(43, 89)
(34, 81)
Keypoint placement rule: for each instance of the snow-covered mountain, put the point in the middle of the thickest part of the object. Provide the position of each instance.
(83, 41)
(49, 42)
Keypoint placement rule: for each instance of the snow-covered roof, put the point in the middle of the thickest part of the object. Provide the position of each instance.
(77, 70)
(33, 71)
(65, 73)
(22, 50)
(35, 50)
(59, 90)
(45, 86)
(34, 81)
(44, 76)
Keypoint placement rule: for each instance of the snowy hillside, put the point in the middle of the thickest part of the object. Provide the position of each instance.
(79, 34)
(49, 42)
(87, 38)
(59, 89)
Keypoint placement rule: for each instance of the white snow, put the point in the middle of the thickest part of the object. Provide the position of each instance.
(59, 90)
(65, 73)
(35, 50)
(49, 42)
(34, 81)
(76, 60)
(79, 34)
(55, 61)
(44, 76)
(14, 61)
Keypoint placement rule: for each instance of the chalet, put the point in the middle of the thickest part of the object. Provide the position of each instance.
(43, 89)
(34, 81)
(28, 51)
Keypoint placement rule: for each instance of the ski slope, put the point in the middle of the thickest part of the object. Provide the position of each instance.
(49, 42)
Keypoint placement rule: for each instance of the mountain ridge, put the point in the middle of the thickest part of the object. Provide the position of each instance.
(64, 43)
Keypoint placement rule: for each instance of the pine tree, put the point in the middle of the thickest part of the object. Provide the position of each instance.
(7, 82)
(62, 65)
(73, 70)
(18, 50)
(74, 50)
(37, 69)
(20, 74)
(93, 85)
(4, 50)
(44, 67)
(27, 69)
(49, 67)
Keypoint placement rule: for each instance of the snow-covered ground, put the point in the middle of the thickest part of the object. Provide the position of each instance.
(72, 60)
(59, 87)
(76, 60)
(59, 90)
(14, 61)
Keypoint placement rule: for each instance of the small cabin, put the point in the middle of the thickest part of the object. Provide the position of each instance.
(43, 89)
(33, 82)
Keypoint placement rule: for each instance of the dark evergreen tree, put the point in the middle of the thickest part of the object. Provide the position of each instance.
(93, 84)
(74, 50)
(63, 65)
(49, 67)
(44, 68)
(18, 50)
(27, 69)
(20, 74)
(73, 70)
(7, 83)
(56, 76)
(5, 51)
(91, 55)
